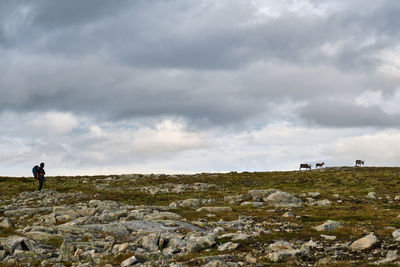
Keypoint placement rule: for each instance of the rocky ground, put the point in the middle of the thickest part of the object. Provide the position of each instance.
(329, 217)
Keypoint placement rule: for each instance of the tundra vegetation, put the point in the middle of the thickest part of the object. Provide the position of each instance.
(339, 216)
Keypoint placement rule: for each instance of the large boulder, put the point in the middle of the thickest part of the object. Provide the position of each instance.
(261, 193)
(283, 199)
(366, 242)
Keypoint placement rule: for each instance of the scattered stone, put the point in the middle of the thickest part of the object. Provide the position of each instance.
(129, 262)
(280, 245)
(396, 234)
(329, 225)
(390, 257)
(371, 195)
(7, 223)
(190, 203)
(324, 202)
(314, 194)
(289, 214)
(214, 209)
(228, 246)
(254, 204)
(366, 242)
(286, 254)
(164, 215)
(328, 237)
(237, 198)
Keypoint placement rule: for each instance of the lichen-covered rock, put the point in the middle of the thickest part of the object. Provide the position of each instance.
(261, 193)
(164, 215)
(228, 246)
(214, 209)
(129, 262)
(254, 204)
(396, 234)
(329, 225)
(286, 254)
(151, 241)
(237, 198)
(280, 245)
(366, 242)
(7, 223)
(283, 199)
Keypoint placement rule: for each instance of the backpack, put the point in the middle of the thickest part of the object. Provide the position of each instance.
(35, 171)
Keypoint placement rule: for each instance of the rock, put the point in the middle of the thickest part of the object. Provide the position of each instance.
(254, 204)
(283, 199)
(200, 243)
(396, 234)
(129, 262)
(122, 247)
(151, 241)
(42, 236)
(314, 194)
(104, 204)
(237, 198)
(289, 214)
(261, 193)
(328, 237)
(329, 225)
(284, 255)
(280, 245)
(336, 196)
(219, 263)
(190, 203)
(115, 229)
(18, 243)
(236, 236)
(390, 257)
(164, 215)
(366, 242)
(7, 223)
(324, 202)
(228, 246)
(3, 254)
(214, 209)
(371, 195)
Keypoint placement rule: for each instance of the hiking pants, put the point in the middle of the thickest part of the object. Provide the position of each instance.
(41, 181)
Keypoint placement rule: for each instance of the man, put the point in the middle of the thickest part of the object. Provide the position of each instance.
(40, 175)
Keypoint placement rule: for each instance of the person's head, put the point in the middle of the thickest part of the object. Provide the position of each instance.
(41, 165)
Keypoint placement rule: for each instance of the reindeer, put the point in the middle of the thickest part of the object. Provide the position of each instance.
(305, 166)
(359, 162)
(319, 164)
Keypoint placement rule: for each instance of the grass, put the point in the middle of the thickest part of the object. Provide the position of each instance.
(357, 213)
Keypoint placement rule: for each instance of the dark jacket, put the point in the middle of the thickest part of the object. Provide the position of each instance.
(41, 172)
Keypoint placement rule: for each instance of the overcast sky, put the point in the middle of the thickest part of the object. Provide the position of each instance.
(187, 86)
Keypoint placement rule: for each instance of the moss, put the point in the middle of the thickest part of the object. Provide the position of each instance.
(54, 241)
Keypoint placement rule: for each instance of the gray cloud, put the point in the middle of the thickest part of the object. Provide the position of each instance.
(219, 68)
(342, 114)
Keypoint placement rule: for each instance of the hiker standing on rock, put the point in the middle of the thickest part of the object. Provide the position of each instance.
(38, 172)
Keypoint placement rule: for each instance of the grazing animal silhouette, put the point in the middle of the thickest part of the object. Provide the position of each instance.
(319, 164)
(305, 166)
(359, 162)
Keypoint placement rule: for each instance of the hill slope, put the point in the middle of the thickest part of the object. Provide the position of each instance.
(240, 219)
